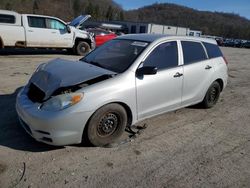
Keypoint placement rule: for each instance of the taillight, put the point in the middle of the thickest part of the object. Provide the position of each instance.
(225, 60)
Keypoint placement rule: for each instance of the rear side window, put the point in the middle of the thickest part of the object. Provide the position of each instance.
(193, 52)
(37, 22)
(163, 56)
(5, 18)
(213, 50)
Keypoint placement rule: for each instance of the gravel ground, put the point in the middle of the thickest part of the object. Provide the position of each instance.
(190, 147)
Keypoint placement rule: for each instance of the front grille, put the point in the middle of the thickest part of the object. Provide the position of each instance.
(35, 94)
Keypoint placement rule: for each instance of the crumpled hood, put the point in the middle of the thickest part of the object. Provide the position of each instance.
(64, 73)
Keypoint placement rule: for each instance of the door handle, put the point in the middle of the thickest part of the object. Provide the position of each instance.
(54, 32)
(30, 31)
(208, 67)
(178, 75)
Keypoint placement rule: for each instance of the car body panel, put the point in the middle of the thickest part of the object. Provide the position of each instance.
(58, 73)
(144, 96)
(101, 35)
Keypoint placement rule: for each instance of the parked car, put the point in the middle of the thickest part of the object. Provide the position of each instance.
(37, 31)
(229, 43)
(219, 41)
(246, 44)
(101, 35)
(124, 81)
(238, 43)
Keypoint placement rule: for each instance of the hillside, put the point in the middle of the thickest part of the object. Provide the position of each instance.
(66, 9)
(211, 23)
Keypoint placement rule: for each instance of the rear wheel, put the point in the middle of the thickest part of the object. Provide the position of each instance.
(212, 95)
(107, 125)
(82, 48)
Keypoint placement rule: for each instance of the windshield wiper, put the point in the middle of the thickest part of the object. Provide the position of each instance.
(97, 64)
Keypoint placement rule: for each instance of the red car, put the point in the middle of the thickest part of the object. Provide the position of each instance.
(102, 36)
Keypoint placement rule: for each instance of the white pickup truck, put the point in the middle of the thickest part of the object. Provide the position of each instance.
(37, 31)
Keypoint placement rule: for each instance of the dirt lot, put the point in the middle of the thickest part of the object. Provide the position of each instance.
(188, 148)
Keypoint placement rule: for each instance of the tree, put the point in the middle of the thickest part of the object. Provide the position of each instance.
(8, 6)
(76, 7)
(90, 9)
(121, 16)
(109, 14)
(35, 7)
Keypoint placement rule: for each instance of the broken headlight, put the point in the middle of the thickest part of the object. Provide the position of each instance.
(61, 102)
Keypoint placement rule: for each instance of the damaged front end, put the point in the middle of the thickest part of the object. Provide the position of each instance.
(60, 77)
(43, 104)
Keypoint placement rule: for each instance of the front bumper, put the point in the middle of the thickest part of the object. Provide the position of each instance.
(55, 128)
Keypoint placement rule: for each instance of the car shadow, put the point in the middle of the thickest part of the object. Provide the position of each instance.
(31, 51)
(196, 106)
(12, 135)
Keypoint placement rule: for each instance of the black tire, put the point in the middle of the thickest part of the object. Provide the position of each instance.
(82, 48)
(106, 125)
(212, 95)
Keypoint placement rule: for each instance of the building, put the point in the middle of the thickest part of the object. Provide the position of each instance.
(139, 27)
(195, 33)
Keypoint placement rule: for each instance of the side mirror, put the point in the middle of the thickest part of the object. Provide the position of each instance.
(68, 28)
(146, 71)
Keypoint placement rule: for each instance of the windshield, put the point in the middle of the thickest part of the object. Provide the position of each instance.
(116, 55)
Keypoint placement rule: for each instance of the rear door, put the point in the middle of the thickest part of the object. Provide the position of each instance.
(160, 92)
(37, 34)
(198, 72)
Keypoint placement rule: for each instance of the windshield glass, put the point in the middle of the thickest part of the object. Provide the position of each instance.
(116, 55)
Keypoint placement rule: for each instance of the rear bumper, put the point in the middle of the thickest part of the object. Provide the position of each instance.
(54, 128)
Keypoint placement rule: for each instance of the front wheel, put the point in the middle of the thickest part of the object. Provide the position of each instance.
(212, 95)
(82, 48)
(106, 125)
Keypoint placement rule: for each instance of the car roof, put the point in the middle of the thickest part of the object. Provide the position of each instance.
(154, 37)
(7, 11)
(44, 16)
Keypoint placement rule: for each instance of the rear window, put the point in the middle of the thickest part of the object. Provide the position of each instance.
(193, 52)
(37, 22)
(5, 18)
(213, 50)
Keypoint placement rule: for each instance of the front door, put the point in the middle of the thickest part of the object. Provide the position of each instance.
(160, 92)
(59, 34)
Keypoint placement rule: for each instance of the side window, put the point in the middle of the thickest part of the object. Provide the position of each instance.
(4, 18)
(213, 50)
(163, 56)
(193, 52)
(133, 29)
(38, 22)
(142, 29)
(55, 24)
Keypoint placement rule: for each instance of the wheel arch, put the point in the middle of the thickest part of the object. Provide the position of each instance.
(124, 105)
(220, 81)
(78, 39)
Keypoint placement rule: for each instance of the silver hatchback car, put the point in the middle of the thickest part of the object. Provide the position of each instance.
(126, 80)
